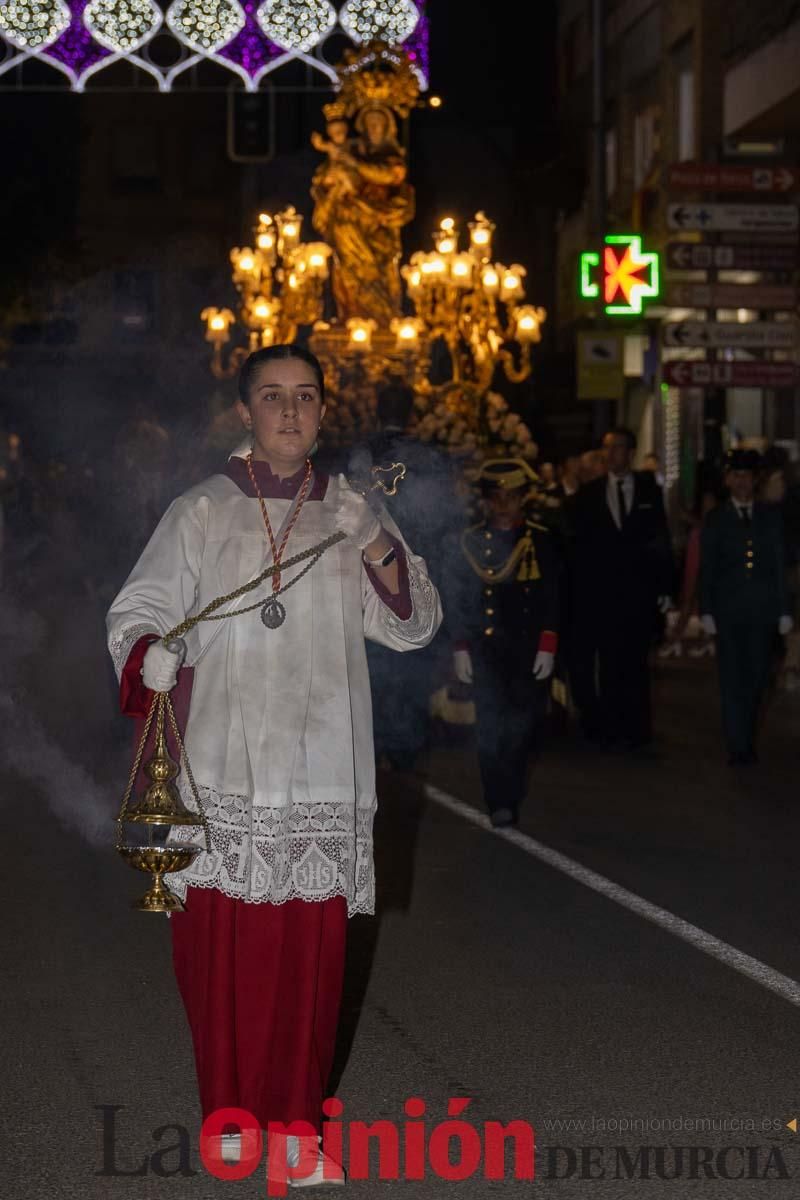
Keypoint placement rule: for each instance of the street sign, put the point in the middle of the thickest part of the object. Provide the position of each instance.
(600, 366)
(698, 256)
(682, 373)
(750, 218)
(716, 177)
(730, 295)
(751, 335)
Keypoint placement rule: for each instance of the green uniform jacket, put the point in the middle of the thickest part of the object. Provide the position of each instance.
(741, 567)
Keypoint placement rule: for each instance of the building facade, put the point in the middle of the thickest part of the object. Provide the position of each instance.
(685, 82)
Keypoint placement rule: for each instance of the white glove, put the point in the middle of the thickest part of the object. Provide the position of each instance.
(664, 604)
(355, 517)
(160, 668)
(462, 666)
(785, 625)
(543, 665)
(709, 624)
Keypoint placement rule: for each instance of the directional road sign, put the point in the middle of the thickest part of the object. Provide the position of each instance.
(751, 335)
(730, 295)
(750, 218)
(698, 256)
(693, 373)
(716, 177)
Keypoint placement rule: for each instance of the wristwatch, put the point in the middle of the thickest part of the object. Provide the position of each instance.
(387, 559)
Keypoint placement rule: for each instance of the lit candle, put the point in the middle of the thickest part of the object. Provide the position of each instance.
(490, 280)
(480, 236)
(461, 269)
(406, 331)
(359, 330)
(512, 283)
(527, 323)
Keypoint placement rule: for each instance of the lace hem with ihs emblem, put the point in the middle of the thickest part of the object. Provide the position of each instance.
(267, 854)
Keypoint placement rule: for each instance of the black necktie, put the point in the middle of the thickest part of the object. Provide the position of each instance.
(623, 511)
(744, 514)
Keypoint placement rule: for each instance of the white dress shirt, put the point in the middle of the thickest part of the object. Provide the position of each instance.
(612, 495)
(741, 508)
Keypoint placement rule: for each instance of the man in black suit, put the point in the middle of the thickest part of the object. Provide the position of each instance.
(743, 599)
(622, 577)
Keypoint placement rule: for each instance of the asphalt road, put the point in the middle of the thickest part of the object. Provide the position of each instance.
(488, 975)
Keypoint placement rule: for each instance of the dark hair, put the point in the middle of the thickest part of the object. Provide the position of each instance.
(253, 362)
(395, 402)
(624, 432)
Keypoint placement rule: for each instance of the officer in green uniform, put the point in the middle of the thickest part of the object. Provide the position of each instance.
(500, 595)
(743, 599)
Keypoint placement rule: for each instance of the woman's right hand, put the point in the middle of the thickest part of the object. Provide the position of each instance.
(160, 668)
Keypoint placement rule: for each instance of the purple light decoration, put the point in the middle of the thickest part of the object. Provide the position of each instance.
(417, 44)
(251, 49)
(76, 48)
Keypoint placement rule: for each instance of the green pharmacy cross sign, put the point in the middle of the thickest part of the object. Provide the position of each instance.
(624, 276)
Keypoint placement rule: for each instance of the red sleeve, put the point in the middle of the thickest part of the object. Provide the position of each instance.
(401, 603)
(134, 698)
(548, 641)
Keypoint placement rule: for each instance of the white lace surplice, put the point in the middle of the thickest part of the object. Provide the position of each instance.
(279, 734)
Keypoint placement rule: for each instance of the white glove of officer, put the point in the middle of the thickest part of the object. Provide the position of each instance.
(709, 624)
(664, 604)
(462, 666)
(355, 517)
(785, 625)
(543, 665)
(160, 668)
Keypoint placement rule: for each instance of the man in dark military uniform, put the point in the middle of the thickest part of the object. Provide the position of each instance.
(501, 602)
(743, 599)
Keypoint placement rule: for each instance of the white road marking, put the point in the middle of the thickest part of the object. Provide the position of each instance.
(781, 985)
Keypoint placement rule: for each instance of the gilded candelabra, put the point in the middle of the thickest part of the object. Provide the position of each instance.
(469, 315)
(473, 306)
(280, 281)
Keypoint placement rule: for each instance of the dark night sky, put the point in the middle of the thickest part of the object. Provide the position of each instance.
(494, 71)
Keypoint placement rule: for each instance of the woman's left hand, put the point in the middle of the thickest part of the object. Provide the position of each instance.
(355, 518)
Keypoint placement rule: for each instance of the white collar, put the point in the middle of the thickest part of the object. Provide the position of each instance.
(620, 478)
(242, 450)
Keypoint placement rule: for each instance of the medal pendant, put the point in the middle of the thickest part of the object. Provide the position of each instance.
(273, 614)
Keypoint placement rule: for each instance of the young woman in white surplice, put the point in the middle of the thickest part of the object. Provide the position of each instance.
(279, 736)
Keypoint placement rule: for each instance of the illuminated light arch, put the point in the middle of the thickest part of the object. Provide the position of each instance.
(392, 21)
(122, 26)
(30, 26)
(296, 24)
(82, 37)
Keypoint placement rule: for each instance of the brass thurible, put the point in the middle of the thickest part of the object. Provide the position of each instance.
(161, 804)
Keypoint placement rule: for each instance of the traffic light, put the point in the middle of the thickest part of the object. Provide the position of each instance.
(251, 126)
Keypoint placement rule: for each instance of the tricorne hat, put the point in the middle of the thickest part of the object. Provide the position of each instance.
(507, 474)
